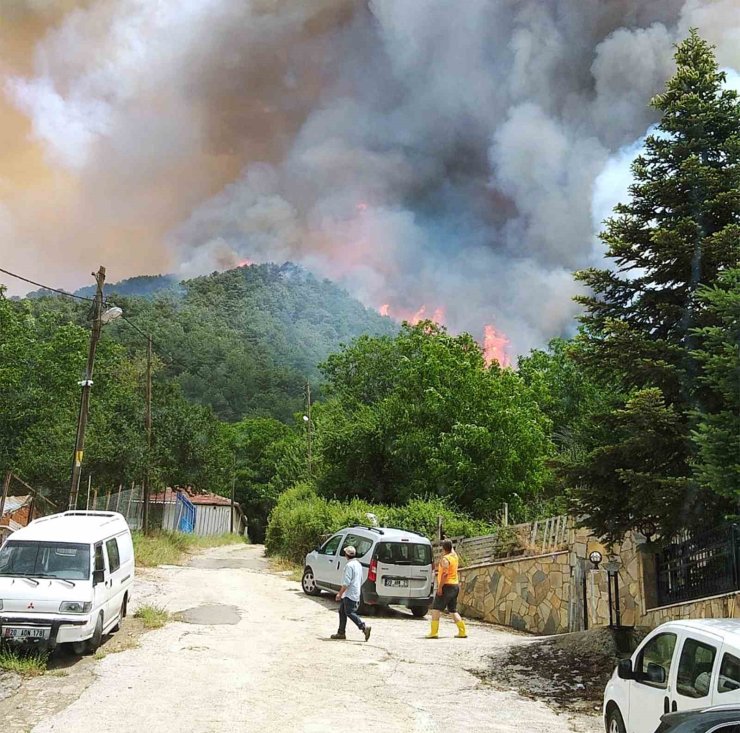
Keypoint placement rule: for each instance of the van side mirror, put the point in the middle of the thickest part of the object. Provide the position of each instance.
(98, 577)
(655, 673)
(624, 670)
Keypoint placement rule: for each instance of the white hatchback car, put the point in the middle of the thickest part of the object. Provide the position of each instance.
(396, 567)
(681, 665)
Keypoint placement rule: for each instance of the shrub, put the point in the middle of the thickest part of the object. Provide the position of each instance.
(301, 518)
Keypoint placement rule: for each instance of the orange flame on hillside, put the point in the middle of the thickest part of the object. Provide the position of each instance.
(245, 263)
(495, 346)
(413, 317)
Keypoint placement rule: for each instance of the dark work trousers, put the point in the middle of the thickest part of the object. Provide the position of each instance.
(348, 609)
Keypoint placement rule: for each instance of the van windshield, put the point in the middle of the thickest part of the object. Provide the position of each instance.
(404, 553)
(63, 560)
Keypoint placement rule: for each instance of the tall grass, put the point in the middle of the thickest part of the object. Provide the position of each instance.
(29, 663)
(153, 617)
(170, 548)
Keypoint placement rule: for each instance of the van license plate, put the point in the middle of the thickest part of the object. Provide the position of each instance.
(397, 582)
(18, 632)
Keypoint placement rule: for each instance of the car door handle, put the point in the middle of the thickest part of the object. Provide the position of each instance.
(674, 706)
(666, 705)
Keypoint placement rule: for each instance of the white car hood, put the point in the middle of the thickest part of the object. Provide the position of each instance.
(24, 596)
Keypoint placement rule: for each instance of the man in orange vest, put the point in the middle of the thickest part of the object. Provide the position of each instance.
(448, 588)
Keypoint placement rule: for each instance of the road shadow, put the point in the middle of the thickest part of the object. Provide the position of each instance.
(327, 601)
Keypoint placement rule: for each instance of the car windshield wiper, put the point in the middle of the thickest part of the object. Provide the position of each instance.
(61, 580)
(20, 575)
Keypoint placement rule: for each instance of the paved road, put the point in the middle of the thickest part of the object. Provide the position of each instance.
(253, 654)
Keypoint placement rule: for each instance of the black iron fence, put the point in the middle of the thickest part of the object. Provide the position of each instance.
(707, 564)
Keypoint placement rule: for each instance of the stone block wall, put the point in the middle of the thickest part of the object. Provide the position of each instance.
(529, 594)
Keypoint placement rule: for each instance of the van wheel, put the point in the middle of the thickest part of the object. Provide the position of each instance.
(308, 583)
(419, 611)
(614, 722)
(93, 643)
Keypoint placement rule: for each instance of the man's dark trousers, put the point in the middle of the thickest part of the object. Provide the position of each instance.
(348, 609)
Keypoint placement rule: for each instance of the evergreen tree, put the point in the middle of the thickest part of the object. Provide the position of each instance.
(676, 234)
(717, 433)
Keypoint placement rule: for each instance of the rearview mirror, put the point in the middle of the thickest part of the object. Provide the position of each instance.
(655, 673)
(98, 577)
(624, 669)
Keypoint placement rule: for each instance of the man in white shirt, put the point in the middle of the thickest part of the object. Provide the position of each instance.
(349, 596)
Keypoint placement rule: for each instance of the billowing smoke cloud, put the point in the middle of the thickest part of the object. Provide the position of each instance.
(456, 155)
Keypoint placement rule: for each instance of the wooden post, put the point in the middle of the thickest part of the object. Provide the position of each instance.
(439, 528)
(506, 514)
(6, 486)
(89, 486)
(95, 498)
(107, 501)
(128, 508)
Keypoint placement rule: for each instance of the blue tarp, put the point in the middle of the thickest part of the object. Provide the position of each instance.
(186, 509)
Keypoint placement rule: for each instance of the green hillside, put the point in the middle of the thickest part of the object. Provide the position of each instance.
(244, 341)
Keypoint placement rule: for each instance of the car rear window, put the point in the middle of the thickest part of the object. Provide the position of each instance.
(404, 553)
(729, 674)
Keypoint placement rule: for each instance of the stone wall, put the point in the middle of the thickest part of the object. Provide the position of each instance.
(529, 594)
(546, 594)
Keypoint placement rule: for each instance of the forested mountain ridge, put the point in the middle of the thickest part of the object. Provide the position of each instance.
(243, 341)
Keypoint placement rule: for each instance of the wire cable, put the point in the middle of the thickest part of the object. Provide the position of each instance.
(46, 287)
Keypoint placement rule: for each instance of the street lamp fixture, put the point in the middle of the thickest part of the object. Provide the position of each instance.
(596, 557)
(111, 314)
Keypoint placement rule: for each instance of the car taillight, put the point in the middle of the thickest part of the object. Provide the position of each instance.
(372, 574)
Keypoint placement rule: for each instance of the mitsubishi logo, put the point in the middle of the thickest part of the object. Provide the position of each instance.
(30, 605)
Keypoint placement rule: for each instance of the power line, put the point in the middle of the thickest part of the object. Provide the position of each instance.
(46, 287)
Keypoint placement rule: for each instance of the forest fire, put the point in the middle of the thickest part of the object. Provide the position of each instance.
(413, 317)
(495, 346)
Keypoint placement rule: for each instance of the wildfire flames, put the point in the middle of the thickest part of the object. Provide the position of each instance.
(413, 317)
(495, 344)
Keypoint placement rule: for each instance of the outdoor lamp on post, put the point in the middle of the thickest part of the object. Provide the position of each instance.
(596, 557)
(647, 529)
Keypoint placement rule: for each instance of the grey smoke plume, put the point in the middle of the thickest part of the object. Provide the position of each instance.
(446, 153)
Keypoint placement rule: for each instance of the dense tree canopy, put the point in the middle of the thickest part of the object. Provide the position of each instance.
(421, 414)
(677, 234)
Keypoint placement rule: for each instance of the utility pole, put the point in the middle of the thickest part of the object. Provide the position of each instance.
(86, 384)
(147, 474)
(233, 491)
(309, 425)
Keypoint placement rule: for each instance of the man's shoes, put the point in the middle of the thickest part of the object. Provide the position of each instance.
(367, 631)
(342, 636)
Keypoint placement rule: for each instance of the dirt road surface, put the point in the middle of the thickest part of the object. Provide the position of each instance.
(252, 653)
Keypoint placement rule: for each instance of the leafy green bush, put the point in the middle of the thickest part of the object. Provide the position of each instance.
(302, 517)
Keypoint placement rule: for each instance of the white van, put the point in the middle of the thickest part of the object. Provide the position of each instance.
(66, 578)
(396, 567)
(681, 665)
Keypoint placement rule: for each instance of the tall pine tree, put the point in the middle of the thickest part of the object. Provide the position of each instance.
(676, 234)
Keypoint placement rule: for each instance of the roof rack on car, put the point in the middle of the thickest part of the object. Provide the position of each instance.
(409, 531)
(367, 526)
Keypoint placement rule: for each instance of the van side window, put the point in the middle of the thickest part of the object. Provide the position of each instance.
(361, 544)
(695, 668)
(729, 674)
(114, 559)
(658, 652)
(125, 548)
(99, 560)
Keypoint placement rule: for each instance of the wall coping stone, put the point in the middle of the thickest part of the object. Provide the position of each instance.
(510, 560)
(695, 600)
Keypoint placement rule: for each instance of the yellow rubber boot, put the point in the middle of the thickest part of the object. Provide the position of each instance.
(461, 632)
(434, 633)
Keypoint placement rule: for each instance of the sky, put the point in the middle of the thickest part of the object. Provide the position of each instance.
(453, 156)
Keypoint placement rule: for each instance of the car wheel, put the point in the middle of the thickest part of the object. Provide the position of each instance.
(93, 643)
(419, 611)
(614, 722)
(308, 583)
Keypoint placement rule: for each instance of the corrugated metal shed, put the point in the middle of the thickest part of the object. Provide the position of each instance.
(14, 503)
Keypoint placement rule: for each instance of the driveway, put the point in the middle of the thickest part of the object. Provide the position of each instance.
(252, 653)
